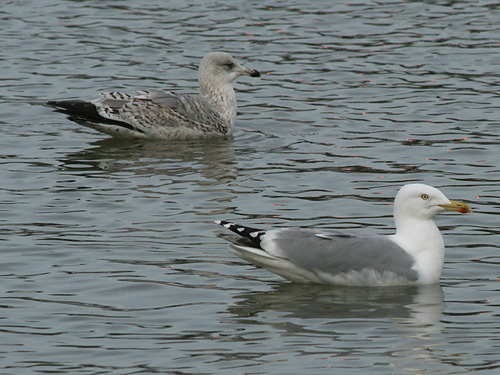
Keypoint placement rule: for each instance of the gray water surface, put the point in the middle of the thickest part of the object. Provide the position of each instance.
(111, 263)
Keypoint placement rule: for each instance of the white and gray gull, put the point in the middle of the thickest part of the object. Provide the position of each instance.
(413, 255)
(163, 114)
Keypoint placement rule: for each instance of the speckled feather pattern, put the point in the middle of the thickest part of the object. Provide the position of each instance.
(163, 114)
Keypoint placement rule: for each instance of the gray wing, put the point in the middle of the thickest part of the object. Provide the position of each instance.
(334, 253)
(150, 111)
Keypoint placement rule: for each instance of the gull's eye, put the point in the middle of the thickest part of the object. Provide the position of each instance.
(424, 197)
(229, 65)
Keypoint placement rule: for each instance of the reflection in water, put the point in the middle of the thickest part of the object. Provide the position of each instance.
(359, 98)
(212, 158)
(419, 305)
(409, 313)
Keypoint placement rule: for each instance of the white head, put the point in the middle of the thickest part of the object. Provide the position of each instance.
(423, 202)
(414, 208)
(222, 68)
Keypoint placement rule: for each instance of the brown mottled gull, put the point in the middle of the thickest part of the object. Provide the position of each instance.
(164, 114)
(414, 255)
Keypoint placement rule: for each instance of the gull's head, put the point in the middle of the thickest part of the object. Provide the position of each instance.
(223, 68)
(420, 201)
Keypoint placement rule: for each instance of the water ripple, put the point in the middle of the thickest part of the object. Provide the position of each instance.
(111, 261)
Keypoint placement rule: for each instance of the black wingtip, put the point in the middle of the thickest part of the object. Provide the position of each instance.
(253, 234)
(82, 110)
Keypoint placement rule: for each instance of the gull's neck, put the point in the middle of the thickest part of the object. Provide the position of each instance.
(221, 96)
(421, 239)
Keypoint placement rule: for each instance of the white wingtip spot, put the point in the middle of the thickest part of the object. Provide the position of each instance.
(218, 222)
(240, 229)
(254, 234)
(227, 226)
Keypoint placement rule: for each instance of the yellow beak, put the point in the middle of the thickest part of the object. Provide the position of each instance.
(457, 206)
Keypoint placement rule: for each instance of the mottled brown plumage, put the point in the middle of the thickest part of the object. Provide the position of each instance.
(162, 114)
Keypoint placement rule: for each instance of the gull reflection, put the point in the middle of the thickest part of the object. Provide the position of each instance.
(213, 159)
(413, 307)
